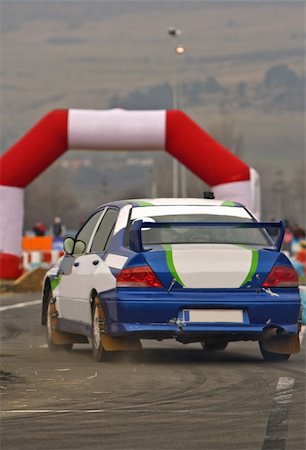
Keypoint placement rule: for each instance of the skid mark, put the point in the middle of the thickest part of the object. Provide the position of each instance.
(277, 427)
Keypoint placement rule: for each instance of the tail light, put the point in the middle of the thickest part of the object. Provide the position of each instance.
(282, 276)
(141, 276)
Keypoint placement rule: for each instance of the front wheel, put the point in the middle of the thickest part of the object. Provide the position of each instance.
(270, 356)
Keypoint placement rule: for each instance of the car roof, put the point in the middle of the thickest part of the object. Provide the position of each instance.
(172, 202)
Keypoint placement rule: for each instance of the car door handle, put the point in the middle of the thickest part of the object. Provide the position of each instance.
(95, 262)
(76, 264)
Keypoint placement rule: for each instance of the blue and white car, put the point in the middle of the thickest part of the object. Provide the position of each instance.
(196, 270)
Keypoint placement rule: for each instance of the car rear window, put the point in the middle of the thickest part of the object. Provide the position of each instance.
(203, 235)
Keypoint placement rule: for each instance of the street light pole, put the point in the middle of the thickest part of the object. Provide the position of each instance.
(179, 50)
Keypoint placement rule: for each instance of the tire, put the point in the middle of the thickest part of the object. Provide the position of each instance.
(49, 330)
(98, 351)
(214, 346)
(270, 356)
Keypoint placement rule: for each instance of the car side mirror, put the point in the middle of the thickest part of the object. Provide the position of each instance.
(72, 247)
(79, 247)
(68, 245)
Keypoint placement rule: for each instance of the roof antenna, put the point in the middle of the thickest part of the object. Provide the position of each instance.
(208, 194)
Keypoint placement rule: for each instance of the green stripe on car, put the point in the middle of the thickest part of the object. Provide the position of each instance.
(228, 203)
(170, 264)
(142, 203)
(253, 268)
(55, 282)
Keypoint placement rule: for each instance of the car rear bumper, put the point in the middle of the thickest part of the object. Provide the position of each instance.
(156, 313)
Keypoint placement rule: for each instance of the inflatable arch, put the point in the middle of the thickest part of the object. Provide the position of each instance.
(60, 130)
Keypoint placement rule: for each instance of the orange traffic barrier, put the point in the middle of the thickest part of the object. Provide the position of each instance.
(41, 243)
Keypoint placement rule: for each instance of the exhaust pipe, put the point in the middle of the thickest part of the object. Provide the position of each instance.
(271, 332)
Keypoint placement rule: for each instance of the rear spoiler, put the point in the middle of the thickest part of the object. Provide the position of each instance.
(135, 237)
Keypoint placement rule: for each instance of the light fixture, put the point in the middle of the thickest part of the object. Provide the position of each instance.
(179, 50)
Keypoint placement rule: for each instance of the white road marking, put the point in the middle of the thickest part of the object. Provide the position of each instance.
(136, 410)
(54, 411)
(19, 305)
(277, 427)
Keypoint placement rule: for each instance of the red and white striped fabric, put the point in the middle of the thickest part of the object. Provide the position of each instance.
(60, 130)
(37, 258)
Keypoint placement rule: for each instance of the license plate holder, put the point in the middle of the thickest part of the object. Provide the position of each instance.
(213, 315)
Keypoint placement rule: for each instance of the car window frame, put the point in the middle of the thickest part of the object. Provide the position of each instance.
(97, 227)
(88, 245)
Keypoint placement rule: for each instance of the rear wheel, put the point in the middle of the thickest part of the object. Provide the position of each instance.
(210, 346)
(270, 356)
(98, 350)
(51, 327)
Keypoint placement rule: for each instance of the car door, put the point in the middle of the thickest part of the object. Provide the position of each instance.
(75, 275)
(77, 285)
(103, 278)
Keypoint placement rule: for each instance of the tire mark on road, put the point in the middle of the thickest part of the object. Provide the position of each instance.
(276, 433)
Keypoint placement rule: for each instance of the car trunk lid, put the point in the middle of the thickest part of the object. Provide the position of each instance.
(207, 266)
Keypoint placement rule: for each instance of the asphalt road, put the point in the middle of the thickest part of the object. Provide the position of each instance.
(166, 397)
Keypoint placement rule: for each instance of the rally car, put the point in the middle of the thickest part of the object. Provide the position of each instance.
(196, 270)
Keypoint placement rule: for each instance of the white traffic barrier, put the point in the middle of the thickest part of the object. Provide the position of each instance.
(37, 258)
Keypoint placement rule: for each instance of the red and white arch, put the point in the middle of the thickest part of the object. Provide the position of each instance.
(61, 130)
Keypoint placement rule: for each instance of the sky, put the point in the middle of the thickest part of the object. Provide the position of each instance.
(243, 66)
